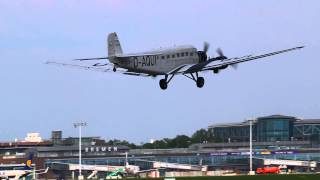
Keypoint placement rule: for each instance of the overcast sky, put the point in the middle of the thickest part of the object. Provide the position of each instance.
(35, 97)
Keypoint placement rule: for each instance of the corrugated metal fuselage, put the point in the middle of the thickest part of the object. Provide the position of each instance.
(157, 62)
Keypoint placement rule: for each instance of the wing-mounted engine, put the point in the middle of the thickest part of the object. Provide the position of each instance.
(203, 57)
(221, 58)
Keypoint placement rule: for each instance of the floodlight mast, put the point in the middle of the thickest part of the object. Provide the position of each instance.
(250, 145)
(80, 125)
(250, 125)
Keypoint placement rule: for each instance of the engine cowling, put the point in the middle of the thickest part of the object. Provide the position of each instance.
(216, 70)
(202, 56)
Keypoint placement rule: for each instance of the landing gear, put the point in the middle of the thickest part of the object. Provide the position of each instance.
(114, 69)
(163, 84)
(200, 82)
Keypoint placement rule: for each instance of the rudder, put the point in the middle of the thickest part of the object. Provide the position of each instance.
(114, 47)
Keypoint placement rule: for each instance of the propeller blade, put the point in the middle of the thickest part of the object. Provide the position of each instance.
(234, 66)
(220, 52)
(206, 46)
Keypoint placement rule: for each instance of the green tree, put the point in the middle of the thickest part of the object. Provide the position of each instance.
(180, 141)
(201, 136)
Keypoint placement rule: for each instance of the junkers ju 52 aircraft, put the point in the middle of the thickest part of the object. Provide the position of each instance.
(178, 60)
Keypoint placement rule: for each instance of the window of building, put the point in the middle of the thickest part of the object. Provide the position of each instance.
(168, 56)
(178, 55)
(187, 54)
(191, 54)
(172, 56)
(182, 54)
(162, 57)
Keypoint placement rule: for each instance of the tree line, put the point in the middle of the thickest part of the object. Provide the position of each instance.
(180, 141)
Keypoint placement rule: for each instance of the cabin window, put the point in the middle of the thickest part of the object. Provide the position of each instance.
(191, 54)
(187, 53)
(178, 55)
(182, 54)
(172, 56)
(168, 56)
(162, 57)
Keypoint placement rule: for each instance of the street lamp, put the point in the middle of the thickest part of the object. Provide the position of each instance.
(251, 172)
(80, 125)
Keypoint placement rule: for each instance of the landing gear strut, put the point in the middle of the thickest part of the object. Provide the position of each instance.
(199, 80)
(114, 69)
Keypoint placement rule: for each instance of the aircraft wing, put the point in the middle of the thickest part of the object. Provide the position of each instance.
(212, 64)
(118, 56)
(136, 55)
(101, 67)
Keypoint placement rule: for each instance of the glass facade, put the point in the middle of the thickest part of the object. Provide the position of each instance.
(234, 132)
(270, 129)
(275, 128)
(308, 130)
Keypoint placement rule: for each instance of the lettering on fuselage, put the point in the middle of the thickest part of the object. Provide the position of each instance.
(144, 61)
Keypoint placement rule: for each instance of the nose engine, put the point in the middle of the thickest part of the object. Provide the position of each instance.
(202, 56)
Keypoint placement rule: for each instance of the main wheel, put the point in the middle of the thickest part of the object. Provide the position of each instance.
(200, 82)
(163, 84)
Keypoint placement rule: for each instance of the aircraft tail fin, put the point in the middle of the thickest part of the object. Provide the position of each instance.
(28, 163)
(114, 47)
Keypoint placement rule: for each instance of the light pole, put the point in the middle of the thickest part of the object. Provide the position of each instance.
(80, 125)
(251, 172)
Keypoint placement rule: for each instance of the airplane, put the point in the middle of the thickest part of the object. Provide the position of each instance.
(168, 62)
(17, 171)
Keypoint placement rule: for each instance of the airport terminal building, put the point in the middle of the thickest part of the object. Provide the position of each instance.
(274, 128)
(275, 137)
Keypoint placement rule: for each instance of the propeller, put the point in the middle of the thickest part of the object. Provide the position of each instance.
(220, 52)
(206, 46)
(234, 66)
(221, 55)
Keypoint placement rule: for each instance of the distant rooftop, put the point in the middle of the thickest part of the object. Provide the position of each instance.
(244, 123)
(276, 116)
(308, 121)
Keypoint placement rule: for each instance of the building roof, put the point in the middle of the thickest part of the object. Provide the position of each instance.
(244, 123)
(308, 121)
(277, 116)
(24, 144)
(210, 146)
(74, 148)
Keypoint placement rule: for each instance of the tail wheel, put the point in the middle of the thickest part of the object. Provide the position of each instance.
(163, 84)
(200, 82)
